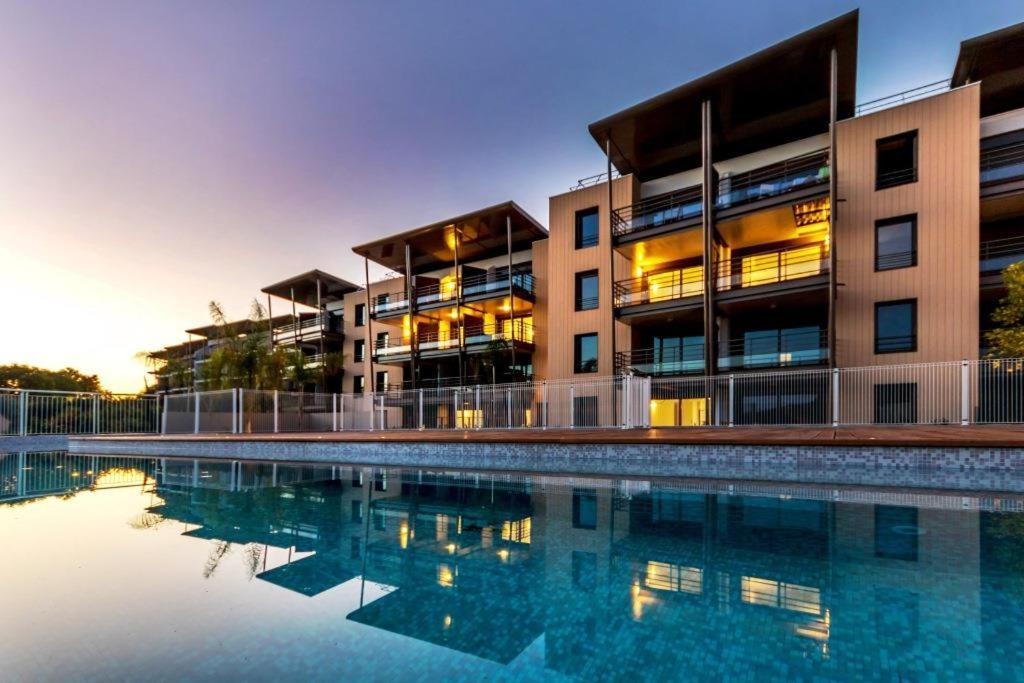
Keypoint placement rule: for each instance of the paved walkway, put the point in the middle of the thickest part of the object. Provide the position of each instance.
(953, 436)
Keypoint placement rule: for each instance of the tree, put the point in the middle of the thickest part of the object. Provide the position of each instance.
(1007, 341)
(29, 377)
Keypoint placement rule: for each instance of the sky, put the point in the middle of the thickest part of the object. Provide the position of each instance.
(155, 156)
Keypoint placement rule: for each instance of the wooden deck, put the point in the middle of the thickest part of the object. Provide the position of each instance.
(952, 436)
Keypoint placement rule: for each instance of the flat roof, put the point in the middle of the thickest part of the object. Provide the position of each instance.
(303, 288)
(243, 326)
(777, 95)
(997, 60)
(483, 235)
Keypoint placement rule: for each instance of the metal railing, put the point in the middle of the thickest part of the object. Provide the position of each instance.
(805, 170)
(772, 267)
(776, 349)
(900, 176)
(595, 179)
(657, 211)
(315, 323)
(999, 253)
(496, 281)
(673, 360)
(472, 335)
(958, 392)
(1002, 163)
(899, 98)
(389, 303)
(656, 287)
(32, 412)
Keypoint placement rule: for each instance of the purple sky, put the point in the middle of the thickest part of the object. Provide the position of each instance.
(160, 154)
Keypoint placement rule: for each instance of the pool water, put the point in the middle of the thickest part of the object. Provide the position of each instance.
(162, 569)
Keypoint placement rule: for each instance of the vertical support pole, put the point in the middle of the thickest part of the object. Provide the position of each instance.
(455, 410)
(371, 380)
(422, 419)
(965, 393)
(572, 406)
(413, 340)
(478, 417)
(321, 318)
(195, 423)
(95, 414)
(234, 411)
(373, 410)
(835, 397)
(708, 226)
(334, 412)
(270, 324)
(341, 413)
(833, 204)
(458, 308)
(511, 293)
(508, 408)
(162, 407)
(732, 400)
(383, 424)
(544, 404)
(23, 413)
(295, 319)
(611, 265)
(275, 411)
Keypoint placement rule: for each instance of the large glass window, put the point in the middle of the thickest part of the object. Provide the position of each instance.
(587, 295)
(896, 326)
(896, 243)
(587, 228)
(896, 160)
(585, 353)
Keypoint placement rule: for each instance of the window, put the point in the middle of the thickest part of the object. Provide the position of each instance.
(360, 315)
(359, 350)
(584, 509)
(896, 160)
(585, 353)
(383, 339)
(382, 380)
(358, 384)
(586, 291)
(587, 228)
(896, 243)
(896, 326)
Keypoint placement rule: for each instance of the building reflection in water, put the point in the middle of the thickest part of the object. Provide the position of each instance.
(715, 577)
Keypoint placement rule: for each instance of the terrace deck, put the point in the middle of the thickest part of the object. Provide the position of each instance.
(951, 436)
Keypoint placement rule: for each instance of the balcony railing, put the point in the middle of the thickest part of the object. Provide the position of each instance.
(677, 360)
(495, 282)
(314, 323)
(657, 211)
(389, 303)
(473, 336)
(668, 285)
(1003, 163)
(1000, 253)
(776, 350)
(772, 267)
(806, 170)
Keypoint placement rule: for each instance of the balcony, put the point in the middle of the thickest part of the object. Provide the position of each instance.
(807, 171)
(475, 339)
(1002, 164)
(307, 328)
(664, 287)
(674, 360)
(775, 267)
(999, 253)
(776, 349)
(476, 287)
(657, 214)
(386, 305)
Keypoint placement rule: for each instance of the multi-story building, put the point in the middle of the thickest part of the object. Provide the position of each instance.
(754, 219)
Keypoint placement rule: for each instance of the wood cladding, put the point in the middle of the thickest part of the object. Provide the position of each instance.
(945, 198)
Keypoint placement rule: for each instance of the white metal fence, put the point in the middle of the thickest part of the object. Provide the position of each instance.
(968, 392)
(30, 412)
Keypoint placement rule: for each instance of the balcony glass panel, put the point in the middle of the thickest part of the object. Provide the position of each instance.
(657, 211)
(772, 267)
(777, 348)
(390, 304)
(806, 170)
(684, 356)
(998, 254)
(666, 285)
(1002, 163)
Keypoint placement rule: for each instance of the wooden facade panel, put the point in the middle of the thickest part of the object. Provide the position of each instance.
(945, 199)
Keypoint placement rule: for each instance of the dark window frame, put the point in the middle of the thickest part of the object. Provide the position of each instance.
(359, 350)
(913, 325)
(358, 384)
(896, 220)
(896, 180)
(381, 386)
(576, 348)
(590, 303)
(360, 315)
(582, 243)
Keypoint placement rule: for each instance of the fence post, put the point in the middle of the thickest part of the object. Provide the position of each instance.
(508, 408)
(341, 414)
(22, 415)
(373, 420)
(544, 404)
(626, 382)
(275, 411)
(455, 410)
(234, 411)
(965, 393)
(241, 411)
(732, 403)
(95, 414)
(572, 406)
(422, 424)
(383, 425)
(478, 417)
(195, 419)
(835, 397)
(161, 402)
(334, 412)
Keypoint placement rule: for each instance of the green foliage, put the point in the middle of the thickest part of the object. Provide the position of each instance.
(30, 377)
(1007, 341)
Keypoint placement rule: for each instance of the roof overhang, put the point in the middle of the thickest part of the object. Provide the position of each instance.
(777, 95)
(482, 234)
(245, 326)
(997, 60)
(303, 288)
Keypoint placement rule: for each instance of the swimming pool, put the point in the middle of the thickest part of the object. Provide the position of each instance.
(163, 569)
